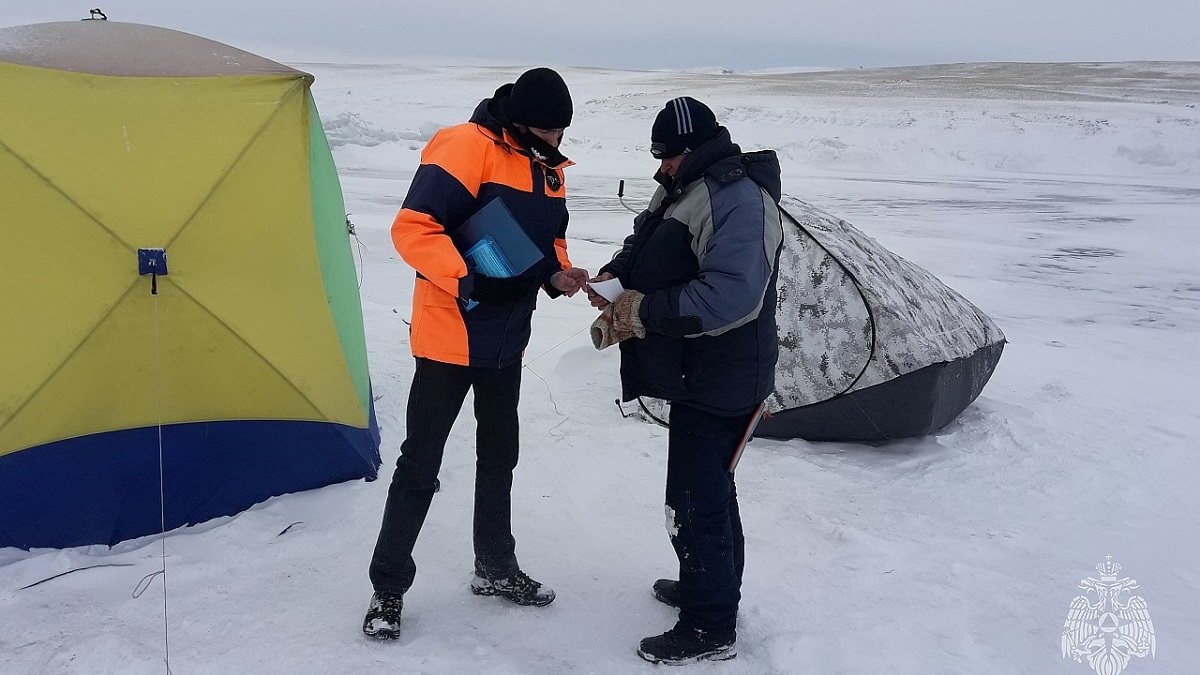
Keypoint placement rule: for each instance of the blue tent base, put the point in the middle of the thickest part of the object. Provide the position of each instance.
(914, 404)
(104, 488)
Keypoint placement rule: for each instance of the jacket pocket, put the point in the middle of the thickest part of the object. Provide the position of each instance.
(438, 330)
(721, 373)
(660, 367)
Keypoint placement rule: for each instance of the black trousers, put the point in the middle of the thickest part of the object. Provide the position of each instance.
(703, 518)
(437, 394)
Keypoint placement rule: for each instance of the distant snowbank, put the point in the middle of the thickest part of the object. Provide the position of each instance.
(1115, 119)
(973, 137)
(351, 129)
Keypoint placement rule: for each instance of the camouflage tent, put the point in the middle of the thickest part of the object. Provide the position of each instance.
(871, 347)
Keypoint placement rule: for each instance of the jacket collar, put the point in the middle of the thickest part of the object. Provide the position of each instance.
(723, 160)
(489, 117)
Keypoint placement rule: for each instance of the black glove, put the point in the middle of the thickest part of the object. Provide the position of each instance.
(495, 290)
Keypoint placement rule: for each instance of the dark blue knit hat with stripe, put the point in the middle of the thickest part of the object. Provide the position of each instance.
(683, 125)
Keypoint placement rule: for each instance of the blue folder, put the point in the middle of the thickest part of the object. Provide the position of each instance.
(494, 243)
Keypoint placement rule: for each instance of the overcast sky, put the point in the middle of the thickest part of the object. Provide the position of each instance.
(738, 34)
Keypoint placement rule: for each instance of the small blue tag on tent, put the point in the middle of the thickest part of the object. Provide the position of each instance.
(152, 261)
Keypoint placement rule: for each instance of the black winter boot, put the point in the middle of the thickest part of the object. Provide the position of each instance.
(516, 586)
(383, 616)
(682, 645)
(666, 591)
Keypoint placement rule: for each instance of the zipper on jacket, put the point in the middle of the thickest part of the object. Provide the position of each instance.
(504, 334)
(539, 178)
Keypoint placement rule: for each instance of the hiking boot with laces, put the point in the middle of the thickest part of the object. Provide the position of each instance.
(682, 645)
(383, 616)
(517, 587)
(666, 591)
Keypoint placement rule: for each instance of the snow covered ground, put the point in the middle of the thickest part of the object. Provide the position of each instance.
(1062, 199)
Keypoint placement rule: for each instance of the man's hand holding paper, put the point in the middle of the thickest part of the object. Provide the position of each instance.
(603, 289)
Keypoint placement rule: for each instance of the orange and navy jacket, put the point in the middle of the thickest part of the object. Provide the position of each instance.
(463, 168)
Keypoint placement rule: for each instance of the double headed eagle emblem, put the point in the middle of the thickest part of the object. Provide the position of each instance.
(1108, 625)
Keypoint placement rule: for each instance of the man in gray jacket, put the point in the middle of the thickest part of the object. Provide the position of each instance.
(696, 327)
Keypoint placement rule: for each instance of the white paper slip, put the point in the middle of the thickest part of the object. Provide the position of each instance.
(610, 289)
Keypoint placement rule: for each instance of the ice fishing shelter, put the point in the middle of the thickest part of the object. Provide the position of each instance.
(871, 346)
(122, 144)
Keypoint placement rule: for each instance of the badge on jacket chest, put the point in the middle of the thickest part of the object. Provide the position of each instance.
(552, 180)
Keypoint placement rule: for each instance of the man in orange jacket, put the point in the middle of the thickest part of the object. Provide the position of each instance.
(469, 330)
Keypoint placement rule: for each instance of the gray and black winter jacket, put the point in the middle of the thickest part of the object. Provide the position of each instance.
(705, 254)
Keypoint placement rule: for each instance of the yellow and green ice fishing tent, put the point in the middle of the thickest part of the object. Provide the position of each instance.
(174, 264)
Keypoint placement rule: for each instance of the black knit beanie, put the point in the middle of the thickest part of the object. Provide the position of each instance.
(540, 99)
(683, 125)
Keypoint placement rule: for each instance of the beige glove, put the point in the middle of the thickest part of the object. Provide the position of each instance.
(619, 321)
